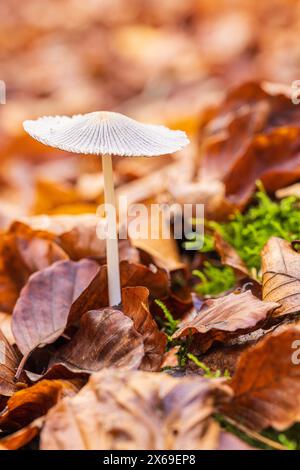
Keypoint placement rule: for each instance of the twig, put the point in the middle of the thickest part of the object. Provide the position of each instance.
(255, 435)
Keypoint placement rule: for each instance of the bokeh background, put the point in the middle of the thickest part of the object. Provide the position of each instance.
(160, 61)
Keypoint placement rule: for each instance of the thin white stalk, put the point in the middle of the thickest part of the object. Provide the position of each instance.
(112, 249)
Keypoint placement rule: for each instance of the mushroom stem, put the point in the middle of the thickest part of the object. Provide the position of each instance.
(112, 249)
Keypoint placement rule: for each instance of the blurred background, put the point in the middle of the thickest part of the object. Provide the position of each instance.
(160, 61)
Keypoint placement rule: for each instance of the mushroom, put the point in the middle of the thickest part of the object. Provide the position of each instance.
(107, 134)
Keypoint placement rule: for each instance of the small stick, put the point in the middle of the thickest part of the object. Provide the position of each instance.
(112, 248)
(255, 435)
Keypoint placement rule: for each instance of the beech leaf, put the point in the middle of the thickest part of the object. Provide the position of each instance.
(32, 402)
(220, 319)
(8, 364)
(266, 384)
(281, 276)
(135, 305)
(49, 300)
(106, 338)
(136, 410)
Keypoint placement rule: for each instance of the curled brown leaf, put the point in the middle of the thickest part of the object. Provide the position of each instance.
(222, 318)
(32, 402)
(106, 338)
(135, 306)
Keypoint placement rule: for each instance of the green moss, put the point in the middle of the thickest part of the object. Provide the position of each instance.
(214, 279)
(169, 324)
(249, 232)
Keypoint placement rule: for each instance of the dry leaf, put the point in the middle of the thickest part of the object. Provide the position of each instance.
(8, 364)
(222, 318)
(135, 305)
(229, 256)
(50, 299)
(106, 338)
(253, 135)
(281, 268)
(26, 251)
(22, 252)
(23, 436)
(32, 402)
(5, 326)
(160, 246)
(136, 410)
(266, 384)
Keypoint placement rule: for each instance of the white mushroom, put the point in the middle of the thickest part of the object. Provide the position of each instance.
(107, 133)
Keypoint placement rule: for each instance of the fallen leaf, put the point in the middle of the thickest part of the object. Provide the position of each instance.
(9, 291)
(23, 436)
(49, 300)
(279, 151)
(106, 338)
(26, 251)
(171, 358)
(158, 241)
(132, 274)
(229, 256)
(77, 235)
(254, 134)
(5, 326)
(22, 252)
(136, 410)
(155, 279)
(8, 364)
(266, 384)
(280, 276)
(135, 306)
(32, 402)
(222, 318)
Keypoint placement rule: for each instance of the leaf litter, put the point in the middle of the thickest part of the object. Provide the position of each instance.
(202, 353)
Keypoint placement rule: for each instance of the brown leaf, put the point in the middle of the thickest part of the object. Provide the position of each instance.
(162, 247)
(32, 402)
(9, 291)
(136, 410)
(77, 235)
(106, 338)
(224, 317)
(171, 358)
(22, 252)
(229, 256)
(156, 280)
(279, 150)
(253, 135)
(23, 436)
(281, 283)
(266, 384)
(8, 364)
(132, 274)
(25, 251)
(50, 299)
(135, 306)
(5, 326)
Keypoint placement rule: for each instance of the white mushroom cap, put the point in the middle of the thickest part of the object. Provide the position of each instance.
(105, 133)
